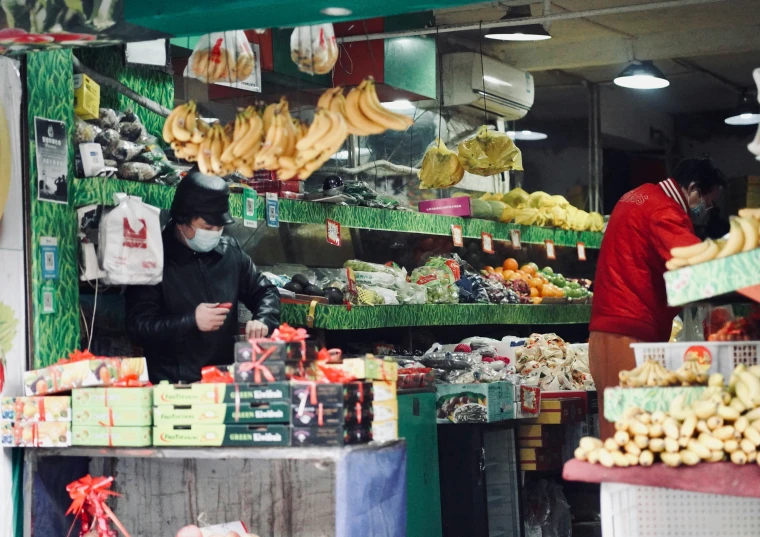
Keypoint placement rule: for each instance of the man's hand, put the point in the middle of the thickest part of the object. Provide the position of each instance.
(256, 329)
(210, 317)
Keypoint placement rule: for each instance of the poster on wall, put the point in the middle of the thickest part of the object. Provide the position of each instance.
(52, 160)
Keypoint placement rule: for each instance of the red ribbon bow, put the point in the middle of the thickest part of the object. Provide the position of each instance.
(76, 356)
(131, 381)
(89, 504)
(258, 357)
(214, 375)
(289, 334)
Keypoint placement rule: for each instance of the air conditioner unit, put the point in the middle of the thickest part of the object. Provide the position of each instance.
(476, 81)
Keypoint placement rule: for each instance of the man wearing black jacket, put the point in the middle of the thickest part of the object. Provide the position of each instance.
(189, 320)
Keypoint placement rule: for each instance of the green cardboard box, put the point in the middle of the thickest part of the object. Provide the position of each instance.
(124, 416)
(272, 412)
(105, 397)
(474, 403)
(221, 435)
(95, 435)
(192, 394)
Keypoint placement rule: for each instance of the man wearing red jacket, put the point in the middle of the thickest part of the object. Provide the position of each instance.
(630, 303)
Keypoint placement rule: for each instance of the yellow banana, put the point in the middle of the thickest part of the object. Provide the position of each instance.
(320, 127)
(685, 252)
(252, 137)
(200, 130)
(268, 116)
(182, 124)
(707, 255)
(204, 155)
(372, 108)
(166, 132)
(735, 240)
(286, 174)
(749, 227)
(359, 123)
(302, 157)
(287, 163)
(217, 144)
(676, 263)
(191, 151)
(750, 213)
(244, 168)
(332, 142)
(326, 98)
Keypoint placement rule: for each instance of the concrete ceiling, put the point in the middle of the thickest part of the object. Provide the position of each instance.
(686, 43)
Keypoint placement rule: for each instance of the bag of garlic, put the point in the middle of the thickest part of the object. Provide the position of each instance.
(440, 167)
(222, 58)
(489, 153)
(314, 49)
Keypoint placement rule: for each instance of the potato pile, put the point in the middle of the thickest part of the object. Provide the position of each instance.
(723, 424)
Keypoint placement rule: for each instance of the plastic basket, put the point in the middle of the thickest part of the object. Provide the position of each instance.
(635, 511)
(722, 356)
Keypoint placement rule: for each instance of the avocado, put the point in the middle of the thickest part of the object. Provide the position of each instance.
(334, 295)
(294, 287)
(313, 290)
(301, 280)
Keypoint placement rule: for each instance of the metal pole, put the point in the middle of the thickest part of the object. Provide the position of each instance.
(594, 149)
(529, 20)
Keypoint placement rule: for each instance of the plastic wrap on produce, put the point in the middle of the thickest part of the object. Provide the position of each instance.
(546, 361)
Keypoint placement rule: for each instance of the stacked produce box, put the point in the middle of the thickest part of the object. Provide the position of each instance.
(112, 417)
(385, 409)
(35, 421)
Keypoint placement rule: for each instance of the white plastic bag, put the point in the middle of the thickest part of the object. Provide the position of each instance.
(222, 57)
(314, 49)
(131, 251)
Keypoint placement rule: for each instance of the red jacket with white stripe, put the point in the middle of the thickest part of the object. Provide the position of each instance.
(629, 297)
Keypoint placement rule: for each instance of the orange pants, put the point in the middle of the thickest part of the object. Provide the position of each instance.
(608, 355)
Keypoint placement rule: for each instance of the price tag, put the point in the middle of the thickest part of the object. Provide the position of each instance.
(273, 210)
(249, 208)
(514, 235)
(487, 241)
(49, 257)
(581, 251)
(333, 232)
(456, 236)
(550, 253)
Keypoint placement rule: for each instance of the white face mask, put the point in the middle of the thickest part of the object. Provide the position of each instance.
(205, 240)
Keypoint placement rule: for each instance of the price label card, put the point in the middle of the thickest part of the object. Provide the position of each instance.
(249, 208)
(47, 298)
(49, 257)
(514, 235)
(581, 251)
(333, 232)
(550, 253)
(273, 210)
(456, 236)
(487, 241)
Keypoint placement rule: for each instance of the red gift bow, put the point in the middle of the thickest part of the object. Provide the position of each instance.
(289, 334)
(257, 363)
(76, 356)
(89, 500)
(131, 381)
(213, 375)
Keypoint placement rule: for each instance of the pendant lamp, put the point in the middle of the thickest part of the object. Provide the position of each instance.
(523, 32)
(642, 75)
(747, 112)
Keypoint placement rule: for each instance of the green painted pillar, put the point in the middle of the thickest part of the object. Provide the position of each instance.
(417, 424)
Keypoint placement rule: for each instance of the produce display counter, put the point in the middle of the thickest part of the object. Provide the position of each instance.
(367, 317)
(101, 190)
(310, 492)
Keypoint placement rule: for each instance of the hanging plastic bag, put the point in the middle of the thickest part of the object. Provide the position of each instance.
(314, 49)
(489, 153)
(224, 57)
(131, 250)
(440, 167)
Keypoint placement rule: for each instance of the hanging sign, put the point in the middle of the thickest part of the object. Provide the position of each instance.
(49, 257)
(581, 251)
(249, 208)
(550, 253)
(51, 142)
(487, 242)
(457, 236)
(333, 232)
(514, 235)
(273, 210)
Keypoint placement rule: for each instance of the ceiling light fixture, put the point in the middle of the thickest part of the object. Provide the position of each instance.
(497, 81)
(399, 104)
(523, 32)
(336, 11)
(527, 135)
(747, 112)
(642, 75)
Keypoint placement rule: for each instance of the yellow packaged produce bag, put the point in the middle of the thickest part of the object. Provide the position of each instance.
(489, 152)
(515, 197)
(558, 216)
(440, 167)
(596, 222)
(527, 216)
(507, 215)
(537, 199)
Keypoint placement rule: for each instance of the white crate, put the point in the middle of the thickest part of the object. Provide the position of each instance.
(725, 354)
(634, 511)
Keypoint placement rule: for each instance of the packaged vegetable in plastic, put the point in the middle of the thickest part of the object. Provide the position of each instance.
(131, 131)
(489, 152)
(411, 293)
(362, 266)
(390, 297)
(85, 133)
(108, 118)
(447, 264)
(123, 151)
(440, 167)
(438, 283)
(381, 279)
(224, 57)
(137, 171)
(515, 197)
(107, 137)
(314, 49)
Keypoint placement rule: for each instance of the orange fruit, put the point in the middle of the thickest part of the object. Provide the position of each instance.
(536, 282)
(488, 269)
(534, 292)
(514, 276)
(508, 273)
(511, 264)
(559, 293)
(498, 270)
(536, 299)
(528, 270)
(547, 291)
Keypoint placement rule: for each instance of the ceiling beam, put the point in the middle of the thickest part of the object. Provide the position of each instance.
(619, 50)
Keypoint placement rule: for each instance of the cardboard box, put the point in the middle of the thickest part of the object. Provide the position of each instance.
(371, 368)
(540, 459)
(384, 390)
(385, 431)
(447, 206)
(86, 97)
(272, 412)
(191, 394)
(88, 435)
(112, 416)
(221, 435)
(527, 401)
(474, 403)
(385, 410)
(105, 397)
(555, 411)
(540, 436)
(277, 351)
(328, 416)
(53, 408)
(331, 436)
(331, 394)
(242, 372)
(34, 434)
(96, 372)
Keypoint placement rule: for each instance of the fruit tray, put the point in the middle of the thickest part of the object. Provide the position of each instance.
(719, 357)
